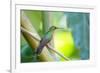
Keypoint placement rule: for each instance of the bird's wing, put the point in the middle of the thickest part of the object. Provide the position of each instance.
(43, 42)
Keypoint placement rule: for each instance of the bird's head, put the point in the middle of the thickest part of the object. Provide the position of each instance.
(53, 28)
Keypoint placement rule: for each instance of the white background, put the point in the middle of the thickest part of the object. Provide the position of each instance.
(5, 36)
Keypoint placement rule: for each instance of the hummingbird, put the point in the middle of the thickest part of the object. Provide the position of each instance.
(46, 39)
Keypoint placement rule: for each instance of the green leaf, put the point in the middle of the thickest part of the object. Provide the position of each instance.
(27, 54)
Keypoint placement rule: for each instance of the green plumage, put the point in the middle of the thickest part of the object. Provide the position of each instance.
(45, 40)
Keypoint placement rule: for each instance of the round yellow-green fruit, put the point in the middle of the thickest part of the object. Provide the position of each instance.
(64, 43)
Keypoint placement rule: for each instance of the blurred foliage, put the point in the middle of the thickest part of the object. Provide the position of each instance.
(26, 54)
(73, 44)
(35, 18)
(65, 41)
(26, 51)
(79, 22)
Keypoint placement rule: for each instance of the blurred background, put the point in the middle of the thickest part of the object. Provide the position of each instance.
(72, 41)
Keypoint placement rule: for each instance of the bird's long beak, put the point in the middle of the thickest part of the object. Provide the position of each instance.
(68, 29)
(59, 28)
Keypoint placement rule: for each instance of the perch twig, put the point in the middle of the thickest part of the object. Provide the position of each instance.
(48, 46)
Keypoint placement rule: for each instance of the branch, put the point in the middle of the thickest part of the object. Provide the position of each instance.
(48, 46)
(61, 55)
(29, 33)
